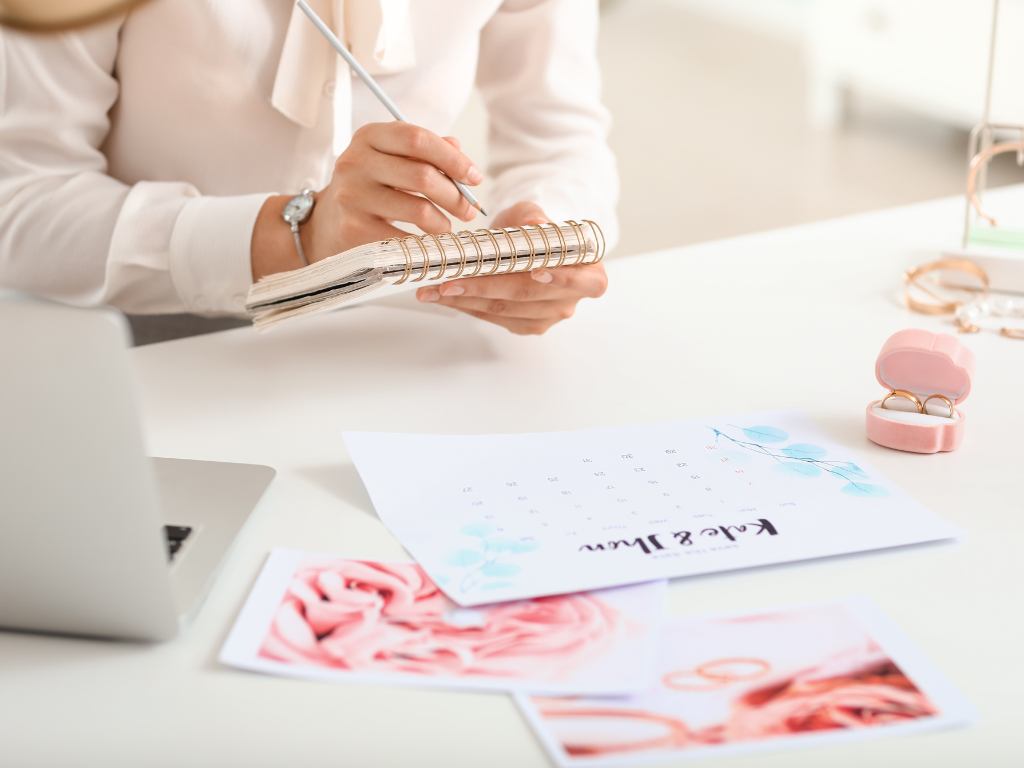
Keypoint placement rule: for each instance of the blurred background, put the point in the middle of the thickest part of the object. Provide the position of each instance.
(732, 116)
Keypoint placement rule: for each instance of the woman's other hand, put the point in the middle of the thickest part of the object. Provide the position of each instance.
(526, 302)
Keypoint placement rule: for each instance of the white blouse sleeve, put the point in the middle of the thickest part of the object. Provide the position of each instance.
(539, 77)
(70, 231)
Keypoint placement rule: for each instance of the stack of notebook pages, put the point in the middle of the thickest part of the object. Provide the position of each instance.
(372, 269)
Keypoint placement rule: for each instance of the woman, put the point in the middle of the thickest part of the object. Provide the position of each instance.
(145, 161)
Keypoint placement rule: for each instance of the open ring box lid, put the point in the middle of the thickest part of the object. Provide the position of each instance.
(923, 363)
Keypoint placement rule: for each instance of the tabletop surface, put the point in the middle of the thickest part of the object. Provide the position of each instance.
(786, 319)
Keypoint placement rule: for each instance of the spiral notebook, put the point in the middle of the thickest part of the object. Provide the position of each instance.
(375, 268)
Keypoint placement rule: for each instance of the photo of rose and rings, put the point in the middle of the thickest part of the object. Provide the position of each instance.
(332, 618)
(750, 682)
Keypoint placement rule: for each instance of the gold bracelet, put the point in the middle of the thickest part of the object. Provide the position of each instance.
(942, 306)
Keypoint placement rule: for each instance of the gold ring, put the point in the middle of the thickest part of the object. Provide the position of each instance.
(744, 668)
(906, 396)
(690, 680)
(943, 398)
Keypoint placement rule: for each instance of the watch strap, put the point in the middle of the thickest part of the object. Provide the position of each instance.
(298, 244)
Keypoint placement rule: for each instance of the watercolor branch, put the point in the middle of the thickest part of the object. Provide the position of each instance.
(803, 459)
(485, 561)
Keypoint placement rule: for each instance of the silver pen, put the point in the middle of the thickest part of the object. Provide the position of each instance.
(365, 76)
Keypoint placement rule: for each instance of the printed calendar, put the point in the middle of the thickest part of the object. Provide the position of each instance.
(511, 516)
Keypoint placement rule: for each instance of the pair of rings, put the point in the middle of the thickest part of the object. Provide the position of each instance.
(921, 407)
(714, 674)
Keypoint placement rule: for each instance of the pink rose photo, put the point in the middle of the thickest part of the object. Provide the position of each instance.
(737, 684)
(330, 617)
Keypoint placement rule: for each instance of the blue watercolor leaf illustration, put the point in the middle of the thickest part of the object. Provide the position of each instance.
(765, 434)
(800, 459)
(849, 468)
(480, 530)
(516, 546)
(803, 469)
(864, 489)
(490, 585)
(499, 570)
(803, 451)
(465, 557)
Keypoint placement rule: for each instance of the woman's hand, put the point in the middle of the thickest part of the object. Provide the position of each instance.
(526, 302)
(389, 172)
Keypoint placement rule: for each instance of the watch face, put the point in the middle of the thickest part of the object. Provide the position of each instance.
(297, 209)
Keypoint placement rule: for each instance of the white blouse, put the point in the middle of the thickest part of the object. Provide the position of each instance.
(136, 154)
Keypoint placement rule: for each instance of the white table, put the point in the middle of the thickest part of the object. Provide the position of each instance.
(792, 318)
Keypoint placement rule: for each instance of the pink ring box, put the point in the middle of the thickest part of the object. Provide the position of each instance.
(923, 363)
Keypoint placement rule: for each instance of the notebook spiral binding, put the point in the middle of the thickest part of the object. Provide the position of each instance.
(462, 238)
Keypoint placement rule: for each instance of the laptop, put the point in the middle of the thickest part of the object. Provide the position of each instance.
(96, 538)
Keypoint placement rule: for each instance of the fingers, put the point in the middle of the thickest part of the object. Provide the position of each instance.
(552, 310)
(524, 212)
(392, 205)
(516, 325)
(519, 302)
(587, 281)
(408, 140)
(390, 172)
(415, 176)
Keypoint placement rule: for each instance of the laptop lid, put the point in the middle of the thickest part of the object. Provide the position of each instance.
(81, 543)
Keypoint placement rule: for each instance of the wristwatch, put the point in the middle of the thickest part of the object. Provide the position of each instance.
(296, 211)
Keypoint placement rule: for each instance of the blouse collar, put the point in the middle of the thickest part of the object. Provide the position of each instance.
(377, 32)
